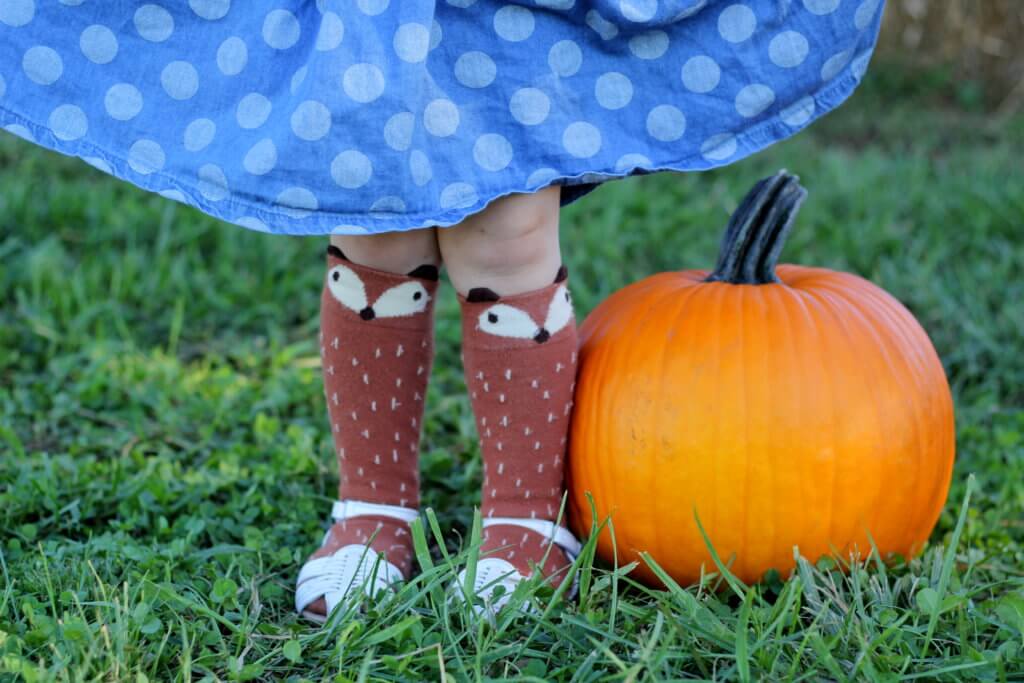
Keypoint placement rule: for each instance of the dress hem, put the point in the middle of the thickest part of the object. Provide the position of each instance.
(255, 216)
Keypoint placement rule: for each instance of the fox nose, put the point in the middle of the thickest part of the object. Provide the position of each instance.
(367, 313)
(542, 336)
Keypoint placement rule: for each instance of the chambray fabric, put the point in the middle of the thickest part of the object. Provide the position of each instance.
(366, 116)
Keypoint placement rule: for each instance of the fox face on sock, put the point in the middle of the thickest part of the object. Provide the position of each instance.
(511, 319)
(399, 298)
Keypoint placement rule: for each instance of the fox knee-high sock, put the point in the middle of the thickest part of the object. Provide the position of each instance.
(519, 354)
(376, 345)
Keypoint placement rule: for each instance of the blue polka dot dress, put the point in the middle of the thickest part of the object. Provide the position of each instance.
(368, 116)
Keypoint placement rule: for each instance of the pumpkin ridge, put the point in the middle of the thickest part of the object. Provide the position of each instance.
(840, 309)
(908, 336)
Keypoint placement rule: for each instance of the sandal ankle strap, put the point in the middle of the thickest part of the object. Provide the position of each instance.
(561, 536)
(344, 509)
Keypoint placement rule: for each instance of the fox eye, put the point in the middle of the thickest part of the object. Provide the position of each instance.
(491, 318)
(335, 276)
(567, 295)
(417, 296)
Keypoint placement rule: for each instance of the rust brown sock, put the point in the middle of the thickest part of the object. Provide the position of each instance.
(519, 354)
(376, 344)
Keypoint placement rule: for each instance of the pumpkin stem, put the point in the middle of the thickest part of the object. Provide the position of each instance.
(757, 231)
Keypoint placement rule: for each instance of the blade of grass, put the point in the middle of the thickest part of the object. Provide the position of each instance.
(947, 567)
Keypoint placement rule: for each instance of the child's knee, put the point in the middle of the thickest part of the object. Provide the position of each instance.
(394, 252)
(514, 236)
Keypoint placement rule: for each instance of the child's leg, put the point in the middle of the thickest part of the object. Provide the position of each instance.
(376, 345)
(519, 352)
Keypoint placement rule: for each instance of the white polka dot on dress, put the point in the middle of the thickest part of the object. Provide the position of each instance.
(788, 49)
(736, 23)
(123, 101)
(210, 10)
(458, 196)
(21, 131)
(821, 7)
(385, 205)
(180, 80)
(798, 113)
(475, 69)
(412, 42)
(363, 82)
(281, 30)
(753, 99)
(372, 7)
(630, 161)
(199, 134)
(859, 65)
(435, 33)
(398, 131)
(441, 117)
(529, 106)
(565, 58)
(154, 23)
(213, 184)
(666, 123)
(649, 45)
(581, 139)
(514, 23)
(261, 158)
(253, 111)
(16, 13)
(638, 10)
(492, 152)
(173, 195)
(42, 65)
(298, 79)
(232, 56)
(701, 74)
(311, 120)
(99, 44)
(146, 156)
(865, 13)
(68, 122)
(420, 168)
(541, 176)
(252, 223)
(604, 28)
(351, 169)
(332, 32)
(98, 164)
(719, 147)
(834, 64)
(613, 90)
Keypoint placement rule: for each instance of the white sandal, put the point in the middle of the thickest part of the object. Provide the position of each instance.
(354, 566)
(492, 572)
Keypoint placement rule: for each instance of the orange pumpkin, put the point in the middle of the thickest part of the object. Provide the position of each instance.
(801, 407)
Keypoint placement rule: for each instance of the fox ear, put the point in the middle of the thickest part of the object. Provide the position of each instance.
(562, 274)
(335, 252)
(481, 294)
(425, 272)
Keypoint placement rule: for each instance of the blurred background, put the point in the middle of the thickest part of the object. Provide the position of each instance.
(979, 43)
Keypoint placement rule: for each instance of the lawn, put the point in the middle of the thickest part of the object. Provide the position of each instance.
(165, 465)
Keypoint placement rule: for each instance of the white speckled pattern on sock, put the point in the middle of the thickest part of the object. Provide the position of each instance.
(376, 346)
(519, 354)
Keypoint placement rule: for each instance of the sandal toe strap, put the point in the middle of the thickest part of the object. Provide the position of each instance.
(559, 535)
(349, 569)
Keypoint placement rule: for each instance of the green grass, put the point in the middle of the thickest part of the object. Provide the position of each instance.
(165, 466)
